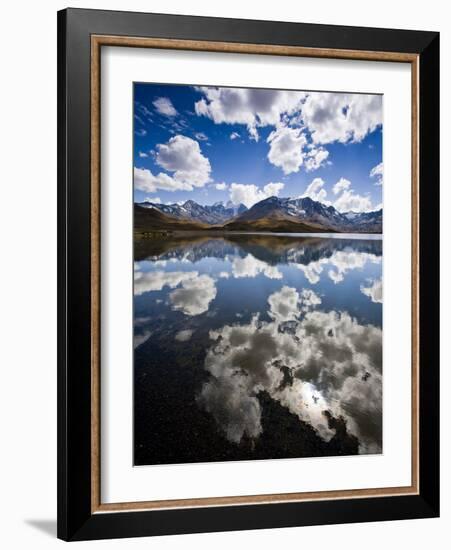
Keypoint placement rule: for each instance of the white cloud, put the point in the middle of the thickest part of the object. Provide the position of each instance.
(234, 135)
(334, 364)
(251, 107)
(309, 299)
(221, 186)
(273, 189)
(163, 105)
(344, 261)
(143, 155)
(249, 194)
(194, 296)
(145, 180)
(341, 185)
(286, 148)
(349, 201)
(373, 291)
(143, 111)
(236, 411)
(312, 271)
(315, 190)
(288, 304)
(157, 280)
(201, 136)
(249, 266)
(315, 158)
(377, 172)
(181, 155)
(154, 200)
(341, 117)
(283, 305)
(339, 264)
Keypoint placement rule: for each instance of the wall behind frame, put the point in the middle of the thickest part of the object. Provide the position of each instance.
(28, 277)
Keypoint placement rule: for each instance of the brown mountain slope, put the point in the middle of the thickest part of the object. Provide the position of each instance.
(150, 219)
(275, 223)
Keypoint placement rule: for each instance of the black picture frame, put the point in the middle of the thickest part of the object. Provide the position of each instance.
(76, 521)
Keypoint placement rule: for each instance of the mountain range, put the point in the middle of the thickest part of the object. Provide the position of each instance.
(301, 215)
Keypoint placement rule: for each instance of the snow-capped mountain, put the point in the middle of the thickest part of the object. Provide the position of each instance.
(275, 210)
(215, 214)
(368, 222)
(273, 214)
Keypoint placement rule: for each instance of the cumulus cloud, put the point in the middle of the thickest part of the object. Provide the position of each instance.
(251, 267)
(143, 155)
(335, 367)
(287, 303)
(312, 271)
(303, 122)
(163, 105)
(341, 185)
(349, 201)
(235, 410)
(315, 190)
(284, 304)
(373, 290)
(377, 172)
(308, 299)
(156, 280)
(333, 117)
(286, 148)
(221, 186)
(343, 261)
(315, 157)
(251, 107)
(249, 194)
(180, 155)
(193, 292)
(194, 296)
(152, 200)
(145, 180)
(339, 264)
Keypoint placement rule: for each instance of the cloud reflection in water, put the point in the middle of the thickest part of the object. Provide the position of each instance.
(335, 365)
(312, 344)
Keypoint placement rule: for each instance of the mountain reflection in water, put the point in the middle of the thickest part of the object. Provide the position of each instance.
(256, 347)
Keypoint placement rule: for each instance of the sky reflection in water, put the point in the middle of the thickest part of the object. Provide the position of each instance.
(247, 334)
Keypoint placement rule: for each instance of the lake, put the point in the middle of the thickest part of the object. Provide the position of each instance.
(256, 346)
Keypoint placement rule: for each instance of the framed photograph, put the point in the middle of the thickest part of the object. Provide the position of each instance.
(248, 274)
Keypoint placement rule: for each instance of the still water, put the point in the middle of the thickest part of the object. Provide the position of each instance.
(256, 347)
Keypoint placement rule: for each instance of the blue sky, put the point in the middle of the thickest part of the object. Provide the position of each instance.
(221, 144)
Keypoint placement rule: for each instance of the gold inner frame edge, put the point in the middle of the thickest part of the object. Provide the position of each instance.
(97, 41)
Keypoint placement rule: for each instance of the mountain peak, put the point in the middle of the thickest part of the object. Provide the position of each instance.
(190, 202)
(280, 212)
(273, 198)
